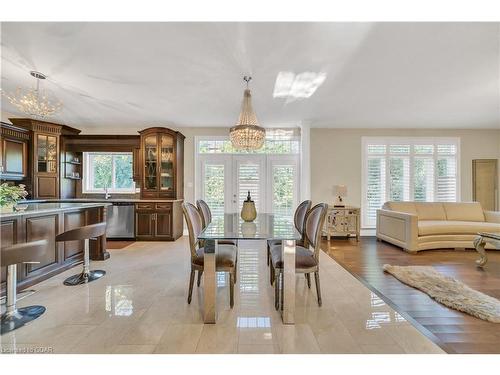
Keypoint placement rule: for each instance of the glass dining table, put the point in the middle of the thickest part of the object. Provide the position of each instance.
(264, 227)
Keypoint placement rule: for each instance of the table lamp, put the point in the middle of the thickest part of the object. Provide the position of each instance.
(339, 191)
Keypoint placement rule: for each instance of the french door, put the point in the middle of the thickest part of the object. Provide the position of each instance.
(225, 180)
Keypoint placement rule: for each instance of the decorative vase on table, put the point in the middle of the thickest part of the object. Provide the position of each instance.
(248, 211)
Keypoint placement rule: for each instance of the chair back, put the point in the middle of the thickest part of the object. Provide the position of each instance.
(315, 219)
(206, 214)
(299, 219)
(194, 224)
(25, 252)
(83, 233)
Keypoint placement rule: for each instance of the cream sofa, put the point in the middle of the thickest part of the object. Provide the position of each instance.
(416, 226)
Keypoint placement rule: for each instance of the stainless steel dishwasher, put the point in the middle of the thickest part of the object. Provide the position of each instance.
(121, 220)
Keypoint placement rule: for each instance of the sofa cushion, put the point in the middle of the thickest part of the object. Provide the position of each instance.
(430, 211)
(464, 211)
(435, 227)
(406, 207)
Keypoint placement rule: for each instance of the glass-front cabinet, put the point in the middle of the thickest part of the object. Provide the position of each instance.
(46, 151)
(163, 153)
(167, 163)
(150, 162)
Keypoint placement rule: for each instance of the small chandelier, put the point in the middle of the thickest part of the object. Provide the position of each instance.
(34, 102)
(247, 134)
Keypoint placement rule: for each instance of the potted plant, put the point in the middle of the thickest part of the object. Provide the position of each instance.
(10, 195)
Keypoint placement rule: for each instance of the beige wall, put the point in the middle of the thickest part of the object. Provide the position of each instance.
(336, 157)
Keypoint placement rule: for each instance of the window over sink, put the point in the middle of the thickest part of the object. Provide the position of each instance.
(111, 170)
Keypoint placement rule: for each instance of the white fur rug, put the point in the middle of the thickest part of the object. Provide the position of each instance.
(448, 291)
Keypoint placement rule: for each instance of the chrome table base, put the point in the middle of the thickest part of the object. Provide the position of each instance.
(287, 306)
(20, 317)
(84, 278)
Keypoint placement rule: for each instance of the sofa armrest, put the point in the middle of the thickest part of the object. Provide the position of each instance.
(398, 228)
(492, 216)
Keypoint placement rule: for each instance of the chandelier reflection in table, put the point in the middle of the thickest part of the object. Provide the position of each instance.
(265, 227)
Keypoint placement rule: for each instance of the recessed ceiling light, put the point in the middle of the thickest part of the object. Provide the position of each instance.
(297, 86)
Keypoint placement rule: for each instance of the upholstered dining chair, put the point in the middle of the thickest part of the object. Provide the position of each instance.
(306, 255)
(226, 254)
(299, 221)
(206, 218)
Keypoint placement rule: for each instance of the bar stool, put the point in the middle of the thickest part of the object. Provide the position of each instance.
(84, 233)
(27, 252)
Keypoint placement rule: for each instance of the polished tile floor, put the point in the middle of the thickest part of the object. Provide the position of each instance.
(140, 307)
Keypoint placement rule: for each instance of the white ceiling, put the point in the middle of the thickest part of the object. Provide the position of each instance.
(120, 77)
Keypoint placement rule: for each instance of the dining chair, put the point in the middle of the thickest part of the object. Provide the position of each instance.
(226, 254)
(306, 260)
(206, 218)
(298, 221)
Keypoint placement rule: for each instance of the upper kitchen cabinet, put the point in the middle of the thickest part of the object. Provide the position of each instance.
(13, 153)
(162, 155)
(44, 154)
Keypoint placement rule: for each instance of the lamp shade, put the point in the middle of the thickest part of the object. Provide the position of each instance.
(340, 190)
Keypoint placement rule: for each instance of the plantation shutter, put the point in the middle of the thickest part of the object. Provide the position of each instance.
(375, 188)
(248, 180)
(407, 169)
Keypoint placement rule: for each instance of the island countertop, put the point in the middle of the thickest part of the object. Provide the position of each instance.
(45, 207)
(32, 221)
(102, 200)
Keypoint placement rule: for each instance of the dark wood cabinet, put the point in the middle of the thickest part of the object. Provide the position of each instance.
(44, 155)
(162, 163)
(158, 221)
(14, 145)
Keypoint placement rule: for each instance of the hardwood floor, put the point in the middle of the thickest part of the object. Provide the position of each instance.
(454, 331)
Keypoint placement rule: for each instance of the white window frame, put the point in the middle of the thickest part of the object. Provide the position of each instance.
(88, 177)
(387, 141)
(267, 203)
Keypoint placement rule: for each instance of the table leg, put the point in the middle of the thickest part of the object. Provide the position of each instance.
(479, 245)
(210, 282)
(288, 256)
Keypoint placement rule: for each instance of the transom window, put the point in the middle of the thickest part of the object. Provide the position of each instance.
(111, 170)
(277, 142)
(408, 169)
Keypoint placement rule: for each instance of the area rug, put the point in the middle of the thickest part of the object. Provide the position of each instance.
(448, 291)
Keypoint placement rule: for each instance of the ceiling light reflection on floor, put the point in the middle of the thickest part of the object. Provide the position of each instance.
(291, 86)
(254, 322)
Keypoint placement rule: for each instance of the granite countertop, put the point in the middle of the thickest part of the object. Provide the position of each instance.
(36, 207)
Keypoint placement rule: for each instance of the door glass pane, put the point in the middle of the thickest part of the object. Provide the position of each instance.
(150, 150)
(42, 153)
(213, 188)
(52, 154)
(283, 185)
(166, 162)
(248, 180)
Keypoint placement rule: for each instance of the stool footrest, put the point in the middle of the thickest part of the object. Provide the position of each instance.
(83, 278)
(20, 317)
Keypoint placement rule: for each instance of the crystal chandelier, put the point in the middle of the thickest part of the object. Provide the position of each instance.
(33, 101)
(247, 134)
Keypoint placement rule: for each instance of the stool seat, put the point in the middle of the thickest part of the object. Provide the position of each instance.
(27, 252)
(85, 233)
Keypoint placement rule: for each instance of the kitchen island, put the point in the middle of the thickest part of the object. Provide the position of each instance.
(45, 220)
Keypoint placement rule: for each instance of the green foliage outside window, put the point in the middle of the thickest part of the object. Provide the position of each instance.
(104, 165)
